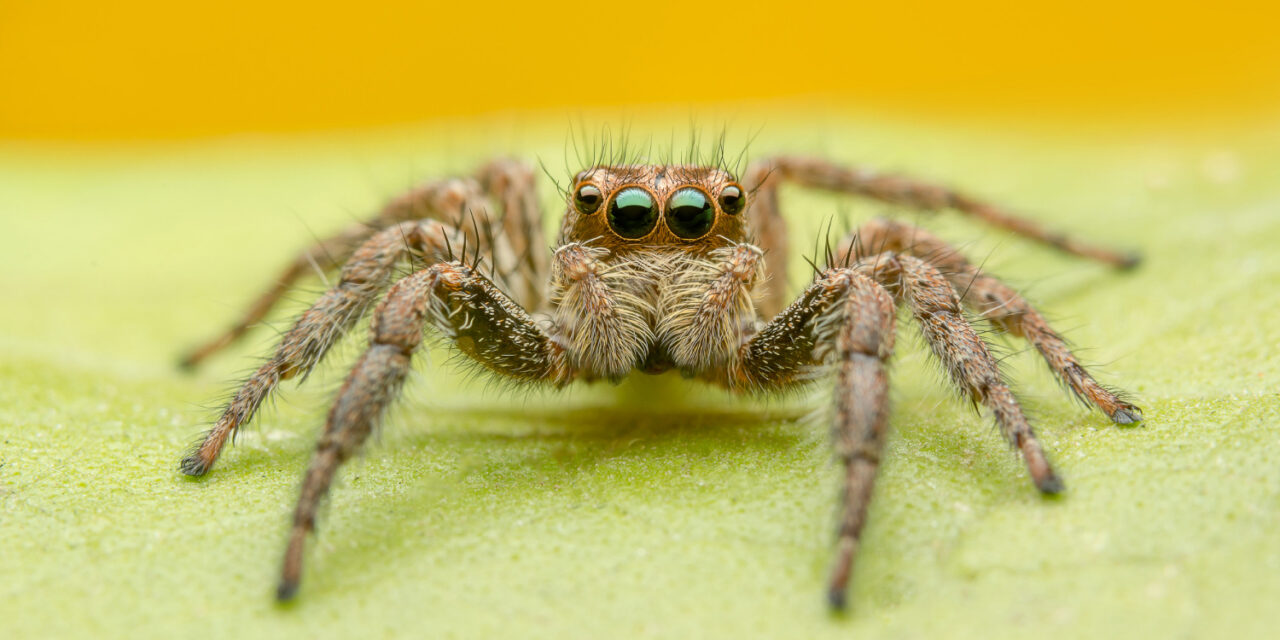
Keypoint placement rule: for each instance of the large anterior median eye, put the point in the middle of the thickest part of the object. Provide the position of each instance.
(690, 214)
(633, 213)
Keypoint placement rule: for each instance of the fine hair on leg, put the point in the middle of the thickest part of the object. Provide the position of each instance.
(459, 304)
(763, 178)
(444, 200)
(844, 322)
(992, 299)
(935, 306)
(363, 277)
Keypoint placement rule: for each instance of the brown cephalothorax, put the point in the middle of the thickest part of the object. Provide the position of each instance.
(657, 267)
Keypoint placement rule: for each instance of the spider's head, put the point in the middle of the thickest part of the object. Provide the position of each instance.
(632, 207)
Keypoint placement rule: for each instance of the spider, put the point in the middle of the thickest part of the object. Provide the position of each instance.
(654, 270)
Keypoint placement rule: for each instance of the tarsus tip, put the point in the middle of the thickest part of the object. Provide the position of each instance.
(193, 465)
(1130, 260)
(837, 600)
(1127, 415)
(1050, 484)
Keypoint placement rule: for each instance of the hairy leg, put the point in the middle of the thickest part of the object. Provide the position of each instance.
(443, 200)
(769, 232)
(511, 184)
(863, 344)
(991, 298)
(843, 321)
(764, 178)
(363, 277)
(935, 306)
(846, 319)
(463, 306)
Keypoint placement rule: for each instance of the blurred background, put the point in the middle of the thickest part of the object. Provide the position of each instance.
(75, 70)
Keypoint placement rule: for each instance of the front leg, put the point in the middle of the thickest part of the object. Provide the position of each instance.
(844, 321)
(992, 299)
(965, 356)
(364, 277)
(461, 305)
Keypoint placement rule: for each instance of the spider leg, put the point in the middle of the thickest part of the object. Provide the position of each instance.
(994, 300)
(764, 177)
(935, 306)
(845, 321)
(462, 305)
(322, 255)
(363, 278)
(863, 346)
(769, 231)
(523, 265)
(444, 200)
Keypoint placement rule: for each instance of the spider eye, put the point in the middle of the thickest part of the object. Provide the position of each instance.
(587, 199)
(633, 213)
(690, 214)
(731, 200)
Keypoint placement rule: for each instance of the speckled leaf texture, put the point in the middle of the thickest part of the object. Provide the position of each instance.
(657, 508)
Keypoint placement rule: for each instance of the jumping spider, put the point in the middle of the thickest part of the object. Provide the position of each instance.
(654, 271)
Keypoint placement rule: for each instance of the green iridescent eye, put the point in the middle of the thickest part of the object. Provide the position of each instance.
(587, 199)
(690, 214)
(633, 213)
(732, 200)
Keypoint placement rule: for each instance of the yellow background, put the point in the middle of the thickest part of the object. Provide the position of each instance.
(164, 69)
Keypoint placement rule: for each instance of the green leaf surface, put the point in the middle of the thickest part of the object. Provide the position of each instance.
(657, 508)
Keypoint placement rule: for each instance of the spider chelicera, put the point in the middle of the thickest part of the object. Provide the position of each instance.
(656, 268)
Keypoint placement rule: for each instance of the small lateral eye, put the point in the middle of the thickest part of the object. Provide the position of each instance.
(690, 214)
(633, 213)
(732, 200)
(587, 199)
